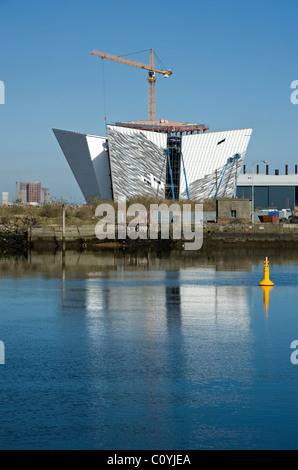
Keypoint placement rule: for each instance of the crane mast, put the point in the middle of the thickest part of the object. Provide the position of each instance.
(151, 76)
(151, 90)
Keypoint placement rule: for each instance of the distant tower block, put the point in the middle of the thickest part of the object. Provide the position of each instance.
(31, 192)
(5, 198)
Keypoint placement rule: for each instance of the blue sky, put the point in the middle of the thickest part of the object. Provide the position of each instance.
(233, 63)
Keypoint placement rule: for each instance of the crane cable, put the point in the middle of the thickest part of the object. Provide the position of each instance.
(104, 81)
(104, 92)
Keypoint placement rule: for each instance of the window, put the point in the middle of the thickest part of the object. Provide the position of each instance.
(233, 214)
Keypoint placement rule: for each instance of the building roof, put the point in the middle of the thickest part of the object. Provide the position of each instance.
(163, 125)
(267, 180)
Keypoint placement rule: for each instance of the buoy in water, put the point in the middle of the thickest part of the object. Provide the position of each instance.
(266, 281)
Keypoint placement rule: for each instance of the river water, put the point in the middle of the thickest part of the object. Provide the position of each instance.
(119, 351)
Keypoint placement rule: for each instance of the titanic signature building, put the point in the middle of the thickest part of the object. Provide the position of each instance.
(167, 160)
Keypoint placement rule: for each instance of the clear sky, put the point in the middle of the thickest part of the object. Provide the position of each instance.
(233, 64)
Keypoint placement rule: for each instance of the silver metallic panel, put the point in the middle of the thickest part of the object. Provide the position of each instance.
(158, 138)
(138, 165)
(221, 183)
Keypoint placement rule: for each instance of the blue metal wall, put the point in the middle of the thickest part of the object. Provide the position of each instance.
(281, 197)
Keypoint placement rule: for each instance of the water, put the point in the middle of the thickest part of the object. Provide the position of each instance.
(119, 351)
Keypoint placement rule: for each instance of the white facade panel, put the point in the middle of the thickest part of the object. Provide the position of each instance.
(220, 183)
(88, 160)
(100, 158)
(205, 153)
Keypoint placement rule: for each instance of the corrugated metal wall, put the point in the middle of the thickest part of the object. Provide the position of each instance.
(204, 153)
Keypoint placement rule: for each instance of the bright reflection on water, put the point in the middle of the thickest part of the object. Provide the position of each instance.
(118, 351)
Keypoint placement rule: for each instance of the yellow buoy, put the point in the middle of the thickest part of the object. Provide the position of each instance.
(266, 281)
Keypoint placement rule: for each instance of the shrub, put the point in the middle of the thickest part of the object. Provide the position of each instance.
(50, 211)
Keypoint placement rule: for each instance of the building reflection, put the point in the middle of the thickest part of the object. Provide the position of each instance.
(82, 262)
(148, 329)
(159, 334)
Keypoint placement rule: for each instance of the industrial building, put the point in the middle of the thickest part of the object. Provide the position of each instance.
(269, 191)
(5, 198)
(156, 158)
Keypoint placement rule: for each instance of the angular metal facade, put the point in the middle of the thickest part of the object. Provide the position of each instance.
(220, 183)
(205, 153)
(132, 162)
(88, 159)
(138, 162)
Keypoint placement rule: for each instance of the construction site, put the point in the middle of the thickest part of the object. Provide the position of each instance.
(155, 157)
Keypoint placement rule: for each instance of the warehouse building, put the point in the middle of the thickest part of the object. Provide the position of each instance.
(269, 191)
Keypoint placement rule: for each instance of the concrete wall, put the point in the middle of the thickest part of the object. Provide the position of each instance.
(233, 209)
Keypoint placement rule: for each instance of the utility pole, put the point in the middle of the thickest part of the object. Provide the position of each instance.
(253, 189)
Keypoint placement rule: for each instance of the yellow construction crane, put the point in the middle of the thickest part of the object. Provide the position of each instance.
(19, 198)
(151, 79)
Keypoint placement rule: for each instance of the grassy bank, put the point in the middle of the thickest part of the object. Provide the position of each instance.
(24, 216)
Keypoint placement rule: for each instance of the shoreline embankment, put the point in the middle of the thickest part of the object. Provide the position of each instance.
(47, 238)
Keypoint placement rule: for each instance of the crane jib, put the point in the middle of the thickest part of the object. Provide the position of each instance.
(152, 70)
(134, 63)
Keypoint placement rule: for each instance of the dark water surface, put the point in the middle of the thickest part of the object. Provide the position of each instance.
(123, 351)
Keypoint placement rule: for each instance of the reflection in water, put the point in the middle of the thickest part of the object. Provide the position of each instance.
(168, 327)
(173, 299)
(266, 290)
(222, 260)
(132, 351)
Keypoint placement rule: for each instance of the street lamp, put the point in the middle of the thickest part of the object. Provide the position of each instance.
(253, 189)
